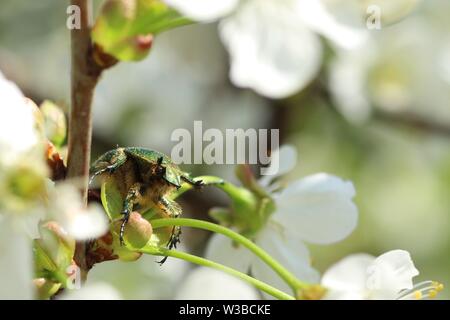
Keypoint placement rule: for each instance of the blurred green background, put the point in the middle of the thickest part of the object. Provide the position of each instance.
(398, 159)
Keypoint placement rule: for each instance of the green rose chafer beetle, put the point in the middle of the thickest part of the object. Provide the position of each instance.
(144, 178)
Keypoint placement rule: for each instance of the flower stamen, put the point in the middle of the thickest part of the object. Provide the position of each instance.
(422, 290)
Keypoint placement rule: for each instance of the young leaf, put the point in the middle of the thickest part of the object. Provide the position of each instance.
(111, 199)
(125, 28)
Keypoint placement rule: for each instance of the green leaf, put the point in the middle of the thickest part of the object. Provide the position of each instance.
(223, 216)
(111, 199)
(42, 260)
(125, 28)
(54, 250)
(46, 288)
(53, 254)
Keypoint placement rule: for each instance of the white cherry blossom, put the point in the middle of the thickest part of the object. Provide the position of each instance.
(18, 139)
(275, 46)
(22, 163)
(389, 276)
(316, 209)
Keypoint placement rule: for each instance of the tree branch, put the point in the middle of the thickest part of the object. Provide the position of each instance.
(415, 122)
(84, 76)
(407, 119)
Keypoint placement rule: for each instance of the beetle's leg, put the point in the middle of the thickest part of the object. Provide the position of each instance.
(173, 241)
(108, 169)
(115, 162)
(130, 200)
(174, 238)
(169, 207)
(173, 210)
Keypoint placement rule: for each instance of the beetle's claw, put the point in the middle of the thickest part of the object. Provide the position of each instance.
(199, 184)
(161, 262)
(174, 238)
(173, 241)
(196, 184)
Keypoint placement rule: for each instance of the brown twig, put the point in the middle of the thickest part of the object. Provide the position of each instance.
(406, 119)
(415, 122)
(84, 76)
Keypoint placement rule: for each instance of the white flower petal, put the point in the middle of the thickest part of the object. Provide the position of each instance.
(347, 80)
(16, 262)
(319, 208)
(203, 10)
(363, 13)
(347, 279)
(143, 279)
(285, 158)
(392, 272)
(86, 223)
(92, 291)
(30, 223)
(444, 62)
(348, 34)
(209, 284)
(290, 252)
(17, 123)
(79, 222)
(271, 50)
(220, 249)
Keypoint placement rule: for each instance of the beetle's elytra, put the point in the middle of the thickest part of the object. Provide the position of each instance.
(144, 178)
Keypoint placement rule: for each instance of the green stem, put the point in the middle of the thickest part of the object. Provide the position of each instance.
(287, 276)
(208, 263)
(207, 180)
(228, 188)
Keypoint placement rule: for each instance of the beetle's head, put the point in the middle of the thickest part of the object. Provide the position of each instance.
(167, 173)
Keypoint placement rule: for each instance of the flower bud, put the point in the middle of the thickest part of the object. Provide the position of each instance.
(55, 124)
(108, 248)
(55, 163)
(38, 117)
(125, 254)
(45, 288)
(59, 233)
(117, 13)
(54, 250)
(249, 209)
(137, 230)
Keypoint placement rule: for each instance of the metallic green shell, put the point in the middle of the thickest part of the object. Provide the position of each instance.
(148, 155)
(173, 172)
